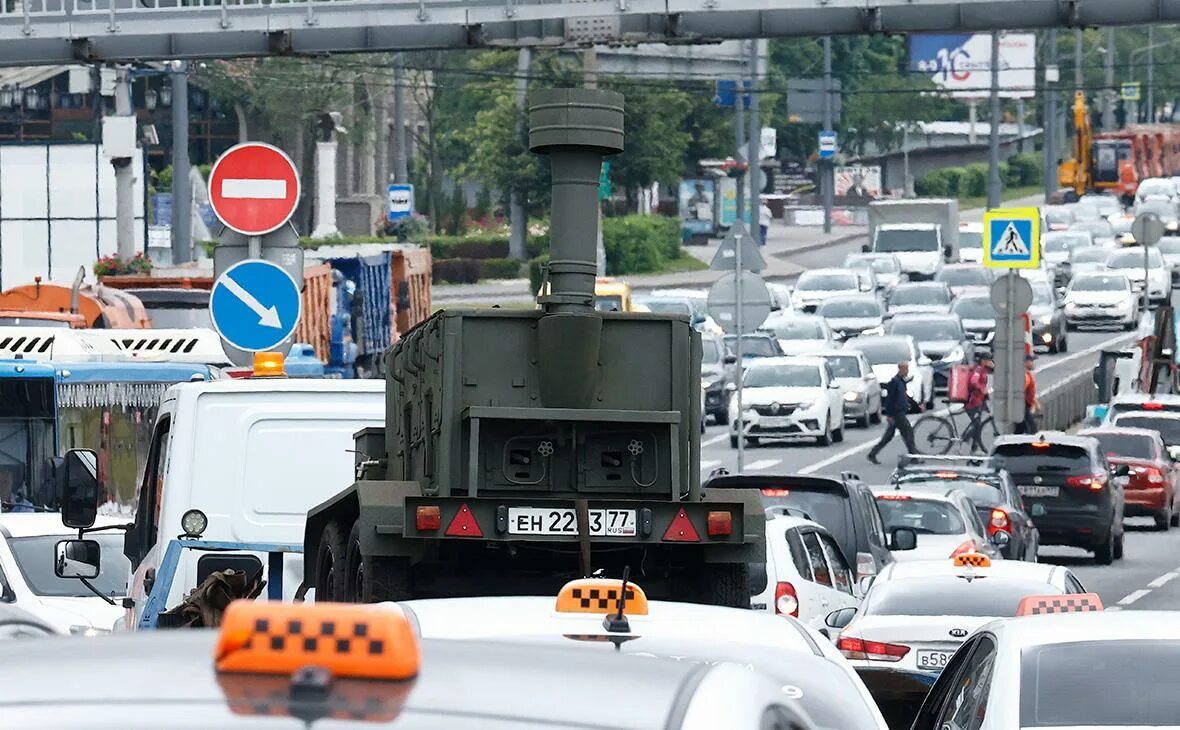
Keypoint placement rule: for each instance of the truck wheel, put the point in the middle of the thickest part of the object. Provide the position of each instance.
(330, 563)
(724, 584)
(374, 579)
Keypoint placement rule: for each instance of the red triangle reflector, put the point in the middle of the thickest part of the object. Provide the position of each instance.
(681, 529)
(464, 524)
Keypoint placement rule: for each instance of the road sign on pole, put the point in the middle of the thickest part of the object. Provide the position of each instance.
(401, 201)
(827, 145)
(1012, 238)
(255, 305)
(1130, 91)
(726, 257)
(1011, 296)
(254, 188)
(755, 302)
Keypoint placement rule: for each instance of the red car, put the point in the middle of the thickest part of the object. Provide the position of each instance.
(1153, 480)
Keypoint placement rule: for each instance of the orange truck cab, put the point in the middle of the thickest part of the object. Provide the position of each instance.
(99, 306)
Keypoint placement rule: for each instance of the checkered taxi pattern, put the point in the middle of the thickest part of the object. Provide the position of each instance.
(1044, 605)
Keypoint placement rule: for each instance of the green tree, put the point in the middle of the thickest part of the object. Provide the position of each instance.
(656, 134)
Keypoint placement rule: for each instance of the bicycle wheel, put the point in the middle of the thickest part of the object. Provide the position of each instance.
(987, 436)
(934, 434)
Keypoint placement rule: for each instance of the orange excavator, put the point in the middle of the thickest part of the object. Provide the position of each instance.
(1106, 163)
(81, 305)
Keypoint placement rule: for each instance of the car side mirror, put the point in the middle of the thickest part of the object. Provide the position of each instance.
(865, 248)
(729, 359)
(1122, 470)
(841, 617)
(834, 386)
(77, 559)
(902, 538)
(76, 479)
(1174, 452)
(1001, 539)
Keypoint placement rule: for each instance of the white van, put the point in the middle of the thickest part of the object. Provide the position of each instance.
(253, 456)
(918, 246)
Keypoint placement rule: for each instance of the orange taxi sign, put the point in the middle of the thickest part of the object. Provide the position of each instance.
(973, 560)
(1072, 603)
(346, 640)
(599, 596)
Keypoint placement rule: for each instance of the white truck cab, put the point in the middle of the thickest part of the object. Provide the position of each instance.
(252, 456)
(917, 246)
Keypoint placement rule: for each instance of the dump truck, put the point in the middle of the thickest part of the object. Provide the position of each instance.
(519, 448)
(923, 234)
(98, 305)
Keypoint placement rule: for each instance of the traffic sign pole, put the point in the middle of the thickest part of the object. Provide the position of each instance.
(1147, 229)
(737, 272)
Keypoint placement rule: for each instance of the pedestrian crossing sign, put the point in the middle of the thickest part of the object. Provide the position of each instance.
(1012, 238)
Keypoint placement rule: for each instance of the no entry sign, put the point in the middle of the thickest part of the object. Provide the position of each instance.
(254, 188)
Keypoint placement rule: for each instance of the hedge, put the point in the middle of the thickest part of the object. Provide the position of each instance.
(500, 268)
(639, 244)
(970, 181)
(457, 271)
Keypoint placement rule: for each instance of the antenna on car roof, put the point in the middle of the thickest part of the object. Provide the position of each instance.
(617, 623)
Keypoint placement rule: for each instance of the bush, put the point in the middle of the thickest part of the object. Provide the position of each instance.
(457, 271)
(1026, 169)
(1009, 176)
(470, 247)
(973, 182)
(638, 244)
(499, 268)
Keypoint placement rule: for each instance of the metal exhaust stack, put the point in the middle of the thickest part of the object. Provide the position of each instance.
(575, 128)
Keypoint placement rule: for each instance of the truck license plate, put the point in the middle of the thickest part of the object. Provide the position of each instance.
(1038, 490)
(933, 659)
(561, 521)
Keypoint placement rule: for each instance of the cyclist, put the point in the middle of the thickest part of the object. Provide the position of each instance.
(977, 396)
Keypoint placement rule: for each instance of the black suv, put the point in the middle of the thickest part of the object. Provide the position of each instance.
(1075, 495)
(990, 488)
(844, 505)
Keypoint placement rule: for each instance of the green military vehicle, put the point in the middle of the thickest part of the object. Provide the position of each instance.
(523, 448)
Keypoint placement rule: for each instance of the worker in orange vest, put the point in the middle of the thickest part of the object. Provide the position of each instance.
(1031, 405)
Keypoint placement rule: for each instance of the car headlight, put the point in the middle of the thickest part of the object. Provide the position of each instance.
(954, 355)
(878, 330)
(851, 396)
(88, 631)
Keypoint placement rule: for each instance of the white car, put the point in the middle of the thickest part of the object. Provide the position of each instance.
(807, 575)
(1155, 187)
(885, 267)
(947, 524)
(1085, 260)
(1169, 248)
(859, 386)
(961, 277)
(1085, 669)
(808, 666)
(1056, 217)
(971, 243)
(1101, 299)
(885, 352)
(798, 332)
(1055, 246)
(1130, 262)
(917, 246)
(915, 615)
(922, 297)
(28, 580)
(786, 398)
(814, 286)
(854, 316)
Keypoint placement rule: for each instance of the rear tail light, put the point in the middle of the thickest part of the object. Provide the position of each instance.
(1093, 482)
(967, 546)
(786, 602)
(1154, 476)
(999, 522)
(427, 519)
(1153, 406)
(720, 524)
(769, 492)
(854, 648)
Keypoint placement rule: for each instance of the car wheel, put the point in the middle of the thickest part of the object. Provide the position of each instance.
(733, 441)
(1163, 520)
(826, 439)
(876, 417)
(1062, 342)
(752, 441)
(1175, 521)
(863, 421)
(1104, 553)
(838, 435)
(1070, 327)
(1118, 547)
(721, 417)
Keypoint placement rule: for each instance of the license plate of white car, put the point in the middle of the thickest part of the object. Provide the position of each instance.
(1038, 490)
(772, 422)
(562, 521)
(933, 659)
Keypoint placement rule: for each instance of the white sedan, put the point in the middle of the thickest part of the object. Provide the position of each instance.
(885, 352)
(799, 332)
(816, 285)
(786, 398)
(1101, 299)
(1133, 264)
(28, 581)
(947, 524)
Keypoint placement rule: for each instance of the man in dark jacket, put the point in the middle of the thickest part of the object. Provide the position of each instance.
(897, 407)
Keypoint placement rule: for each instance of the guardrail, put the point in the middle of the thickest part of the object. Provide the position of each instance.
(1064, 403)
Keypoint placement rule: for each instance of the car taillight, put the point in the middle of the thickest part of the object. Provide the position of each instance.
(967, 546)
(1094, 482)
(785, 600)
(854, 648)
(1154, 476)
(999, 522)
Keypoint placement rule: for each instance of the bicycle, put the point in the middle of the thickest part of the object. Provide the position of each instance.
(938, 433)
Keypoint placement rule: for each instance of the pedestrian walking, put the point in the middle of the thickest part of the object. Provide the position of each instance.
(897, 407)
(1032, 406)
(764, 216)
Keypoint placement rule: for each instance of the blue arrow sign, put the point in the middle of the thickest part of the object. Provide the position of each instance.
(255, 305)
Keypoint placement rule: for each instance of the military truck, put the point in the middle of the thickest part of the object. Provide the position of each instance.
(525, 447)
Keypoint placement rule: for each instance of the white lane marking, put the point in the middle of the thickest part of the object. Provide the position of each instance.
(254, 188)
(1162, 580)
(1113, 608)
(709, 464)
(1130, 598)
(812, 468)
(762, 464)
(714, 440)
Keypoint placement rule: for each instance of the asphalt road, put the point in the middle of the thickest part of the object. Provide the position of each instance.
(1147, 578)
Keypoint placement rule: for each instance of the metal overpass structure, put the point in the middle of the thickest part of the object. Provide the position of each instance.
(62, 31)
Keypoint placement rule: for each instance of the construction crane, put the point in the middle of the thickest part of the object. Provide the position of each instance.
(1075, 173)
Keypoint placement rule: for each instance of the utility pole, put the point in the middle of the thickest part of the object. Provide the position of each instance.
(1108, 90)
(124, 174)
(590, 81)
(754, 140)
(1078, 50)
(517, 218)
(739, 124)
(400, 173)
(993, 152)
(182, 194)
(1049, 142)
(1151, 74)
(827, 178)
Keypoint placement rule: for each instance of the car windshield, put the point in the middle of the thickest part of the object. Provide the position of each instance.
(970, 239)
(795, 329)
(755, 346)
(975, 308)
(981, 493)
(667, 306)
(783, 376)
(1169, 245)
(950, 595)
(927, 330)
(830, 509)
(1088, 255)
(911, 295)
(711, 350)
(892, 241)
(1168, 428)
(1126, 445)
(1099, 282)
(827, 282)
(1162, 208)
(1134, 259)
(966, 276)
(1127, 683)
(34, 556)
(1042, 458)
(851, 308)
(1062, 242)
(1058, 215)
(924, 516)
(844, 366)
(881, 351)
